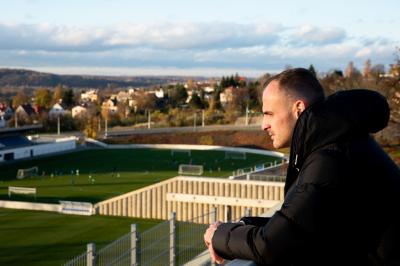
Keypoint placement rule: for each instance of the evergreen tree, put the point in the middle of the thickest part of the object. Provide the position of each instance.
(312, 70)
(196, 102)
(68, 98)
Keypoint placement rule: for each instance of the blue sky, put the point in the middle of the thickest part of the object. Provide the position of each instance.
(209, 38)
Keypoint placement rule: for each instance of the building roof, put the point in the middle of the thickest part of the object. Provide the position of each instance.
(14, 141)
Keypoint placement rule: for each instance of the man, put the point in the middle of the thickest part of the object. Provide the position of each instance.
(341, 191)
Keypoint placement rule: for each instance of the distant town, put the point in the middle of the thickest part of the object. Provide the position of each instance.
(67, 103)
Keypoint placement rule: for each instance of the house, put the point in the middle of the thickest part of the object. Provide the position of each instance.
(110, 105)
(2, 122)
(78, 111)
(227, 95)
(159, 93)
(25, 111)
(56, 110)
(6, 111)
(123, 96)
(89, 96)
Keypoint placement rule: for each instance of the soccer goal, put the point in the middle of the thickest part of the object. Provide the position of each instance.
(235, 155)
(184, 152)
(190, 169)
(27, 172)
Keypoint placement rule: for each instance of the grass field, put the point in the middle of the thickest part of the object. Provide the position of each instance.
(40, 238)
(107, 173)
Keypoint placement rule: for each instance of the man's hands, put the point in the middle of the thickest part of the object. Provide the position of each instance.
(208, 240)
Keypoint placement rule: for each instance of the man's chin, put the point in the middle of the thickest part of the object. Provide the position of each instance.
(276, 145)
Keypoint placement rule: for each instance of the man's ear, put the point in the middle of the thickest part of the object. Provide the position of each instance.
(298, 107)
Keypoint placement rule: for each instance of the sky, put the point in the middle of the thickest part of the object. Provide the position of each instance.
(196, 38)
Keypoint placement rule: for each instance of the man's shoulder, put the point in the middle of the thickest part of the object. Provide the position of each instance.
(325, 165)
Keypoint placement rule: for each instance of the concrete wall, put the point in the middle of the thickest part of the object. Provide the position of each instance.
(30, 206)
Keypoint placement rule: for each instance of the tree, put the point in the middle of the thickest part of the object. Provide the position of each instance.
(68, 98)
(196, 102)
(351, 71)
(367, 69)
(353, 77)
(43, 98)
(19, 99)
(312, 70)
(146, 101)
(377, 71)
(57, 94)
(178, 95)
(254, 96)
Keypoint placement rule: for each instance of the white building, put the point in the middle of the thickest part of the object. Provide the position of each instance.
(90, 96)
(56, 110)
(78, 111)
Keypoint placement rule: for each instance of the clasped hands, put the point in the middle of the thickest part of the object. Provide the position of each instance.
(208, 240)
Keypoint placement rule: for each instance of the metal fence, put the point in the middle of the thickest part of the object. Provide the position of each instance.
(189, 237)
(84, 259)
(248, 172)
(267, 178)
(168, 243)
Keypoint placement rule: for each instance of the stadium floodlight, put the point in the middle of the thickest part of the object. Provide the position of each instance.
(27, 172)
(190, 169)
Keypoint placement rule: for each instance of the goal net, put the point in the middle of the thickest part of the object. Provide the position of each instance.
(235, 155)
(27, 172)
(190, 169)
(184, 152)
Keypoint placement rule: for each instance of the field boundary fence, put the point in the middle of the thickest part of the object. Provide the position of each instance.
(168, 243)
(255, 172)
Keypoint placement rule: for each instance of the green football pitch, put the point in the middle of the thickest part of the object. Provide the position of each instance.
(41, 238)
(96, 175)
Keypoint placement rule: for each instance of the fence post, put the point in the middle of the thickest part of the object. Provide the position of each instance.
(228, 214)
(213, 214)
(91, 254)
(172, 239)
(213, 220)
(134, 245)
(247, 212)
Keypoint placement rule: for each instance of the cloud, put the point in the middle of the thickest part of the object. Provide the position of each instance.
(161, 36)
(186, 45)
(311, 35)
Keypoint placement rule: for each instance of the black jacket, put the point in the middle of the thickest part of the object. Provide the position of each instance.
(342, 193)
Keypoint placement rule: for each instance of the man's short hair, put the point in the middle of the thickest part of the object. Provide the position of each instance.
(300, 83)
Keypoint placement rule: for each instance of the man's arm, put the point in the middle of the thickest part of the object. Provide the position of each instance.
(262, 244)
(289, 229)
(254, 220)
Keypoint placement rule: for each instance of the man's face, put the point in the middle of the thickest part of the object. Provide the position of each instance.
(279, 115)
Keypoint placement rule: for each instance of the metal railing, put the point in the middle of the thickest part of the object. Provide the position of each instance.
(267, 178)
(248, 172)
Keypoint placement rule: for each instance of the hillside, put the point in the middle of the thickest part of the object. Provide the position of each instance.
(22, 77)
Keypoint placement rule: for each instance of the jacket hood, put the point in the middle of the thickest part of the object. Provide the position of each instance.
(339, 117)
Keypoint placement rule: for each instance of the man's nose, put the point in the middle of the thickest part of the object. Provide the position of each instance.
(265, 125)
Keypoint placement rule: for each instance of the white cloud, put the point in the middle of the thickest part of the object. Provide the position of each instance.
(186, 45)
(309, 35)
